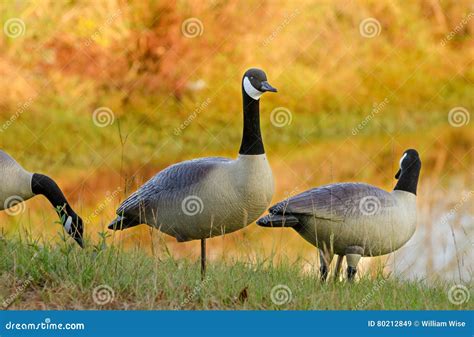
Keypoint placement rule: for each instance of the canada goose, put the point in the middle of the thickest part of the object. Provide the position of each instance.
(206, 197)
(353, 219)
(17, 185)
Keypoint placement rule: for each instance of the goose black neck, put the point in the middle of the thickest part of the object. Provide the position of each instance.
(252, 143)
(44, 185)
(408, 180)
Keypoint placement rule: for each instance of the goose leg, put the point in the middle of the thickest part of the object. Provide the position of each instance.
(325, 259)
(353, 255)
(337, 270)
(203, 258)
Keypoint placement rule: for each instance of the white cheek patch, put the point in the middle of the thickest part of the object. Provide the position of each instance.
(250, 90)
(401, 160)
(67, 224)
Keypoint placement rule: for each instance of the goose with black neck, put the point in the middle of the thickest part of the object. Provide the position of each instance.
(206, 197)
(18, 185)
(353, 219)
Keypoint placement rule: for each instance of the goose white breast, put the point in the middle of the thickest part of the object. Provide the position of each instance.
(353, 219)
(206, 197)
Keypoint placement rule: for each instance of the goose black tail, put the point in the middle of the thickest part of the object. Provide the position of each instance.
(278, 220)
(122, 222)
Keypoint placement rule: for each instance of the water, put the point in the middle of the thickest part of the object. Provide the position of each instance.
(442, 247)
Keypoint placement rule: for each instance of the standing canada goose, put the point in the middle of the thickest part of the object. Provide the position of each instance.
(206, 197)
(353, 219)
(18, 185)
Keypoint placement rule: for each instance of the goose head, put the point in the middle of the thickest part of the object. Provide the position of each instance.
(409, 161)
(255, 84)
(74, 226)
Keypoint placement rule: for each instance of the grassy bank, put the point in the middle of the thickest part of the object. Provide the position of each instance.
(63, 277)
(353, 103)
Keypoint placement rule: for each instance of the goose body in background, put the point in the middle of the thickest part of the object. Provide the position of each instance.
(206, 197)
(353, 219)
(18, 185)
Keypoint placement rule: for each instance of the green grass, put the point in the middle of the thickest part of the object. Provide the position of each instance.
(139, 64)
(35, 276)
